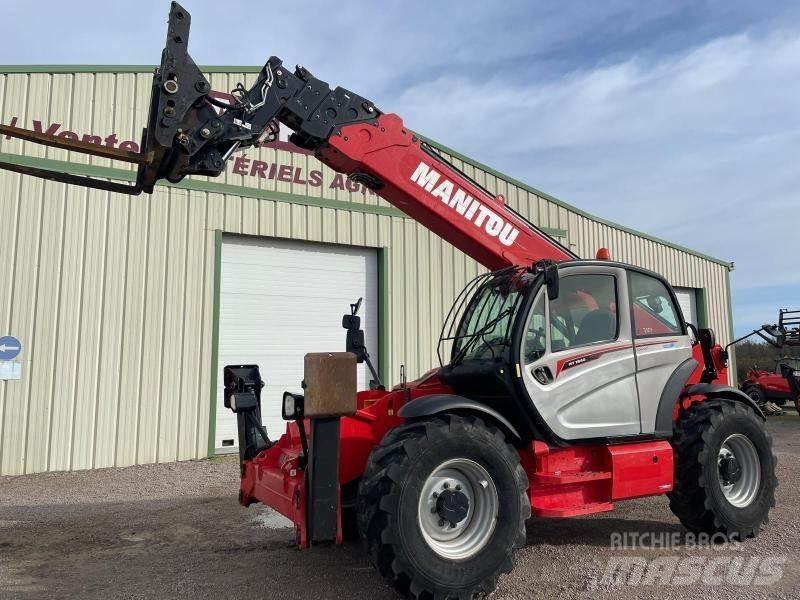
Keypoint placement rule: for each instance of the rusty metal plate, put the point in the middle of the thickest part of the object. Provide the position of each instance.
(330, 384)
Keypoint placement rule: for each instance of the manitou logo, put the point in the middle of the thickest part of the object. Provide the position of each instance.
(464, 204)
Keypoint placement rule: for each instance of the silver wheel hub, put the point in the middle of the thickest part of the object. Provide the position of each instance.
(458, 509)
(739, 470)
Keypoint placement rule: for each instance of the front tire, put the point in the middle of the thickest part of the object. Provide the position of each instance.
(442, 505)
(724, 470)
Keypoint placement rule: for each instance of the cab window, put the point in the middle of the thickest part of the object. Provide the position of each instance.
(585, 312)
(654, 312)
(485, 330)
(536, 335)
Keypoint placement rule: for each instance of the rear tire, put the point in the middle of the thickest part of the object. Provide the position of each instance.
(419, 476)
(714, 493)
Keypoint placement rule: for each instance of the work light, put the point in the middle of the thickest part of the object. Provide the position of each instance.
(292, 406)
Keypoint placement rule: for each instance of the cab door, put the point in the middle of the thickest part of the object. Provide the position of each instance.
(660, 338)
(578, 362)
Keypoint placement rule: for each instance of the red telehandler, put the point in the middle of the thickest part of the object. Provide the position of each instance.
(566, 384)
(772, 389)
(780, 385)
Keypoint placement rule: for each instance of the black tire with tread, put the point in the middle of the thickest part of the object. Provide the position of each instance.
(697, 499)
(403, 459)
(757, 394)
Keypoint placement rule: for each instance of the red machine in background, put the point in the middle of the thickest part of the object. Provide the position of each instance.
(776, 385)
(565, 384)
(783, 383)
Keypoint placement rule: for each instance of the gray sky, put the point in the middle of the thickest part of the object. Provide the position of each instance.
(680, 118)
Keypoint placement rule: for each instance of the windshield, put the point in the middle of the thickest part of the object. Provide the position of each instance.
(487, 307)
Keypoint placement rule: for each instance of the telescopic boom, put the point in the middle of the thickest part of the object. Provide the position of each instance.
(185, 135)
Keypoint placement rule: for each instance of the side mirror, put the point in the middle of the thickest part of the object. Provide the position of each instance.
(355, 335)
(351, 322)
(355, 343)
(551, 281)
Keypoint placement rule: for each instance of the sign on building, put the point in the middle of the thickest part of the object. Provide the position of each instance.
(10, 347)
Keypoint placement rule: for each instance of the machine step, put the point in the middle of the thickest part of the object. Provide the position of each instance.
(572, 511)
(564, 477)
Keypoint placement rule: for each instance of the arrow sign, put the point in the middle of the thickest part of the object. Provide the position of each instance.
(10, 347)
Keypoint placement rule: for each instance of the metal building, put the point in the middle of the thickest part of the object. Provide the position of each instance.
(127, 307)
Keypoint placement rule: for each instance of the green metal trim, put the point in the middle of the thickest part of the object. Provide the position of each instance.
(701, 300)
(200, 186)
(69, 69)
(556, 233)
(554, 200)
(218, 188)
(384, 366)
(212, 413)
(732, 350)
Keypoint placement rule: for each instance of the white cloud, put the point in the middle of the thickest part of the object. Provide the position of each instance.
(701, 147)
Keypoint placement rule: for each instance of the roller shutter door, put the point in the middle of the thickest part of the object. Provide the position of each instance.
(281, 299)
(687, 298)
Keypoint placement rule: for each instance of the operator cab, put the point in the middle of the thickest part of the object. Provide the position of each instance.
(589, 356)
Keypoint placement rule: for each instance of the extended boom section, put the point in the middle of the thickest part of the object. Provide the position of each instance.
(412, 176)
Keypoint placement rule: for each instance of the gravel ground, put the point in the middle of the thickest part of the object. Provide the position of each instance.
(176, 531)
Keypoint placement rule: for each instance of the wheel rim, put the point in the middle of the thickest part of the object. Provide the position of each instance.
(739, 470)
(462, 490)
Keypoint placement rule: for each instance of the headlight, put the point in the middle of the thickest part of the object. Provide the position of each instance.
(292, 406)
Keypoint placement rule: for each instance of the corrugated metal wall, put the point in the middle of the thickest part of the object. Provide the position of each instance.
(113, 296)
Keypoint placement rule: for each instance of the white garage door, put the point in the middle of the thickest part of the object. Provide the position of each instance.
(687, 298)
(281, 299)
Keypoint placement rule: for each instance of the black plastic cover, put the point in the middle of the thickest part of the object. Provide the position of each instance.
(242, 379)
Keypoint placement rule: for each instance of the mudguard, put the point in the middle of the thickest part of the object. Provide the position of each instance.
(715, 390)
(427, 406)
(672, 390)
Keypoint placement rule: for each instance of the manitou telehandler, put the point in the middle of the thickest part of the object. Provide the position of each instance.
(567, 384)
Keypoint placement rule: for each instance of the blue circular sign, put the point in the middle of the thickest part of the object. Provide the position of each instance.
(10, 347)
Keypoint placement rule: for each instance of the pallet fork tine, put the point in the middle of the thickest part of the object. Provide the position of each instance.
(81, 180)
(141, 159)
(76, 145)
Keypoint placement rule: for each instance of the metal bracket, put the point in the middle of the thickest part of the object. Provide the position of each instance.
(177, 86)
(186, 136)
